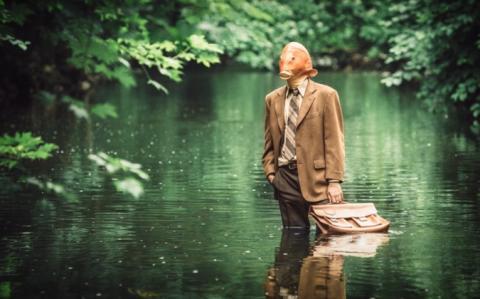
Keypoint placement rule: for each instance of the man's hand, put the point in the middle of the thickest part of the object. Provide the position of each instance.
(271, 177)
(334, 192)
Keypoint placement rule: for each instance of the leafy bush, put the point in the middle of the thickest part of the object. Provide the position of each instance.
(437, 45)
(97, 39)
(23, 146)
(169, 57)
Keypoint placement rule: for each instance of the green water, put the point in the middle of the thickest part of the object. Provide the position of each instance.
(207, 226)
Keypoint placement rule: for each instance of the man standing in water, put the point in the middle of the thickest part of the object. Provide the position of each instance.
(304, 150)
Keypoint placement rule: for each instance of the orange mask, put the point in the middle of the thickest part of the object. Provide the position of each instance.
(295, 64)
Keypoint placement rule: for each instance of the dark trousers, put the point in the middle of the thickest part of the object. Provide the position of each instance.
(293, 207)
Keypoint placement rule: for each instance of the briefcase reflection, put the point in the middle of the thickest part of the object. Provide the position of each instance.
(316, 273)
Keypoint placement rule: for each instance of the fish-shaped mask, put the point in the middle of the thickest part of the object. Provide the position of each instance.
(295, 62)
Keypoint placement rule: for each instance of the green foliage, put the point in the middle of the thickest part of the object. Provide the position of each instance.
(15, 42)
(17, 15)
(201, 51)
(437, 45)
(169, 57)
(123, 37)
(157, 85)
(50, 187)
(127, 175)
(114, 165)
(104, 39)
(104, 111)
(5, 289)
(78, 108)
(475, 109)
(249, 32)
(130, 186)
(23, 146)
(253, 32)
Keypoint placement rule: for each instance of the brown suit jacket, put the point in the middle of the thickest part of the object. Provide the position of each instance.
(319, 138)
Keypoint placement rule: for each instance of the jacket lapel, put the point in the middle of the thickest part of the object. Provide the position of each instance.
(308, 99)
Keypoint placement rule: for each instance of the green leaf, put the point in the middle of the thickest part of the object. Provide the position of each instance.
(104, 110)
(124, 76)
(50, 187)
(167, 46)
(124, 62)
(15, 42)
(207, 59)
(199, 42)
(130, 186)
(186, 56)
(79, 111)
(104, 50)
(173, 74)
(115, 165)
(23, 146)
(158, 86)
(97, 159)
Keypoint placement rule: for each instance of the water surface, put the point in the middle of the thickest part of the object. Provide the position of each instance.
(207, 226)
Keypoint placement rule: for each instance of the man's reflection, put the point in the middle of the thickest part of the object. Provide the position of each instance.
(316, 273)
(283, 278)
(322, 277)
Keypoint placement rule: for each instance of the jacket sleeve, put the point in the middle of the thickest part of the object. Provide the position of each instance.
(334, 138)
(268, 159)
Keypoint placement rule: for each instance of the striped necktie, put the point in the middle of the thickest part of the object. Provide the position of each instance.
(291, 127)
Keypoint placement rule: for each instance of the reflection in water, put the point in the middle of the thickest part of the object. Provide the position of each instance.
(206, 226)
(318, 273)
(359, 245)
(322, 277)
(283, 278)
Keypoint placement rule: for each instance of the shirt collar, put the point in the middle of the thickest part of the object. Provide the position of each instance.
(302, 88)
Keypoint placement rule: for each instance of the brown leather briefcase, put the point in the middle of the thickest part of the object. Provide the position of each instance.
(348, 218)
